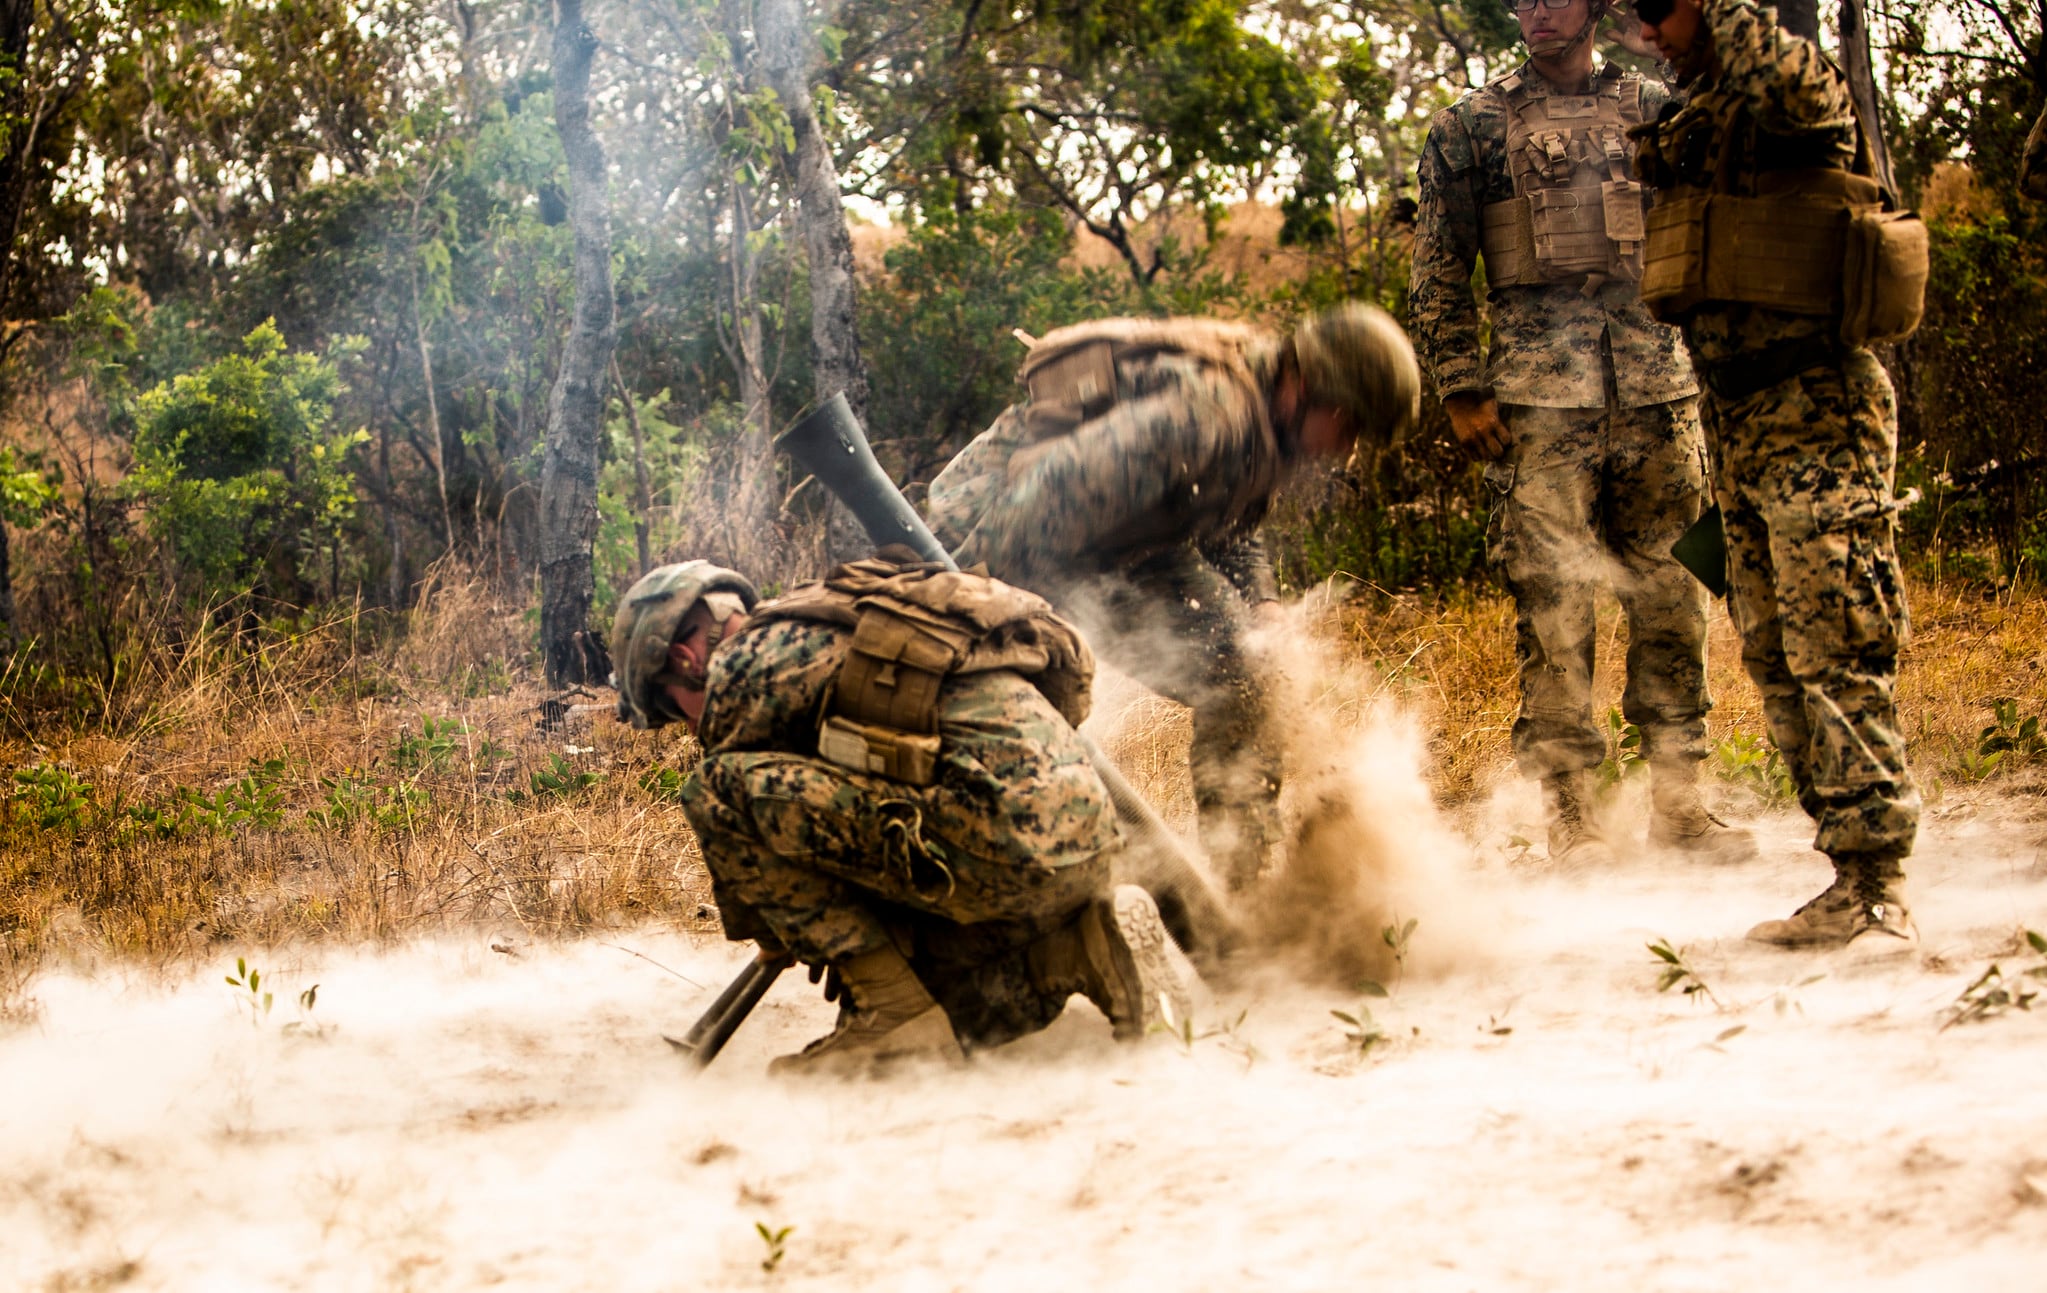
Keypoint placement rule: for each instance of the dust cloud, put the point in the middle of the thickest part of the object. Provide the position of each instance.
(1533, 1112)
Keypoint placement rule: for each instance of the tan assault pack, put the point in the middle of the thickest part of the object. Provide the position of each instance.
(1809, 240)
(1577, 214)
(914, 626)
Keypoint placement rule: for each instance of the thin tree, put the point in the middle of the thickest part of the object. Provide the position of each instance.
(575, 407)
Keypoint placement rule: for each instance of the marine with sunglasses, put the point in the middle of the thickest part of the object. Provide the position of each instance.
(1776, 249)
(1585, 410)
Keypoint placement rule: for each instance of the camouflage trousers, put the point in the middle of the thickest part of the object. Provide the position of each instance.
(1588, 497)
(1803, 474)
(1174, 623)
(830, 863)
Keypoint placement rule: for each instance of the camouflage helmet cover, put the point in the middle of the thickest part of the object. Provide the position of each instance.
(648, 616)
(1357, 358)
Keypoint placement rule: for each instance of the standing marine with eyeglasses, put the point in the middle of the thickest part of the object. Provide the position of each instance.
(1585, 409)
(1772, 245)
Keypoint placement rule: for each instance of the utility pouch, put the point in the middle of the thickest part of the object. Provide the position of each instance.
(1071, 388)
(1674, 265)
(909, 757)
(883, 712)
(1627, 225)
(1883, 277)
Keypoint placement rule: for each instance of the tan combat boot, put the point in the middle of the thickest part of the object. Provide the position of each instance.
(1113, 952)
(1883, 923)
(885, 1016)
(1680, 822)
(1576, 842)
(1863, 909)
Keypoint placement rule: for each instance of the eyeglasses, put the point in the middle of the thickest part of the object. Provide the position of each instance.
(1528, 6)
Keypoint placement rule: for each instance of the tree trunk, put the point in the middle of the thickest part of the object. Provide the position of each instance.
(395, 582)
(1800, 18)
(575, 407)
(1855, 61)
(786, 50)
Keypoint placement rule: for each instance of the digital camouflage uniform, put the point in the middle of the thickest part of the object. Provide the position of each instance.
(1605, 469)
(1010, 839)
(1142, 524)
(1803, 437)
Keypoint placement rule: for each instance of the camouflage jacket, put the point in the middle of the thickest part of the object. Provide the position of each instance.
(1552, 346)
(1162, 468)
(1788, 107)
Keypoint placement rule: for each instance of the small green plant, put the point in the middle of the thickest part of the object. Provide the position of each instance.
(247, 981)
(355, 797)
(254, 799)
(1752, 763)
(662, 782)
(1360, 1029)
(2010, 735)
(1396, 937)
(777, 1241)
(1185, 1033)
(432, 747)
(1678, 973)
(305, 1025)
(561, 778)
(1994, 992)
(1623, 751)
(50, 798)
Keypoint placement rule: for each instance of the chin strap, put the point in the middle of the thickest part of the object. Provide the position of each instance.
(1565, 44)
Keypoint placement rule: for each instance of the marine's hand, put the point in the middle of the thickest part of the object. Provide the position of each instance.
(1627, 33)
(1475, 419)
(834, 987)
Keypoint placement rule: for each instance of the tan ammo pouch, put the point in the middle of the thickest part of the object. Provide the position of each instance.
(1883, 277)
(882, 715)
(1070, 388)
(1559, 234)
(863, 747)
(1780, 253)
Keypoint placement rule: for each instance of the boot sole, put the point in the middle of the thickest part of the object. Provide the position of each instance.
(1144, 963)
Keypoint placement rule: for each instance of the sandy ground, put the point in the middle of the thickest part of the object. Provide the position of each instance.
(1541, 1118)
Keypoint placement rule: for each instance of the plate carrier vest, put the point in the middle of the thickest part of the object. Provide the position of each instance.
(1577, 214)
(914, 625)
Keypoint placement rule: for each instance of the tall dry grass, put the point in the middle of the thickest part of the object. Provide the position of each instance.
(493, 828)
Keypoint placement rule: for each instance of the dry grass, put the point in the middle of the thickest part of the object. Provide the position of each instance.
(464, 835)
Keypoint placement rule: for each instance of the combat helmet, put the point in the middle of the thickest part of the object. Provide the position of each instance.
(1357, 358)
(648, 616)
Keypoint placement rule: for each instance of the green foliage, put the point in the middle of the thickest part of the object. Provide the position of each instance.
(247, 982)
(27, 489)
(2011, 734)
(1993, 992)
(238, 469)
(1360, 1029)
(662, 782)
(357, 797)
(1676, 972)
(50, 798)
(1623, 752)
(434, 747)
(776, 1240)
(560, 779)
(1752, 763)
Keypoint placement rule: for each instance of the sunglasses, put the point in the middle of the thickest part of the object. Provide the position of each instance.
(1652, 12)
